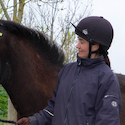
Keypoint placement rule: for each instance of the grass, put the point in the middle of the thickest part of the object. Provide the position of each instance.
(3, 104)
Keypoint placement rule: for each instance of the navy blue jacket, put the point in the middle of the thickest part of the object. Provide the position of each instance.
(87, 93)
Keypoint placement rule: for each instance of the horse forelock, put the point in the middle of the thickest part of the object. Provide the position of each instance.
(49, 49)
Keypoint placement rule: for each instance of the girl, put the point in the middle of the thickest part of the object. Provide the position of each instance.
(87, 91)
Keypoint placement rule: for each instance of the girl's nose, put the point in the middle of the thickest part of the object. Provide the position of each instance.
(78, 46)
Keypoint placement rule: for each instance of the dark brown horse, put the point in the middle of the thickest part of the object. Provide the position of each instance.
(29, 67)
(121, 79)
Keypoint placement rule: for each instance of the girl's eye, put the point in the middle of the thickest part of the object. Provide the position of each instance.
(81, 42)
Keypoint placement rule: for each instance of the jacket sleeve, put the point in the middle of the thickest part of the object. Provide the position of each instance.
(44, 117)
(108, 102)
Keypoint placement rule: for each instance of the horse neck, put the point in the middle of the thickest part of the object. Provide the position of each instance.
(30, 67)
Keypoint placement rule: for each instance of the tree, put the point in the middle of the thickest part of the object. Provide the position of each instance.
(17, 13)
(52, 17)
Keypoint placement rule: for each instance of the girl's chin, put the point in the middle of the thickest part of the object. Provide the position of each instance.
(82, 56)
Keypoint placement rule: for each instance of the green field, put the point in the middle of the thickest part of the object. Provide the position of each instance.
(3, 103)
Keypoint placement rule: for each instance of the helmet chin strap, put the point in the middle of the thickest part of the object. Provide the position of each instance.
(90, 45)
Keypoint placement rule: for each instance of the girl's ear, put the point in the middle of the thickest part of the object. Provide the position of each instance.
(95, 47)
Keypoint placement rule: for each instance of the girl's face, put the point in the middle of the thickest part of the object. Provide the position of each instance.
(83, 47)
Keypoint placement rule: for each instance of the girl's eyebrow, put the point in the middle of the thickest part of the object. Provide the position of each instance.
(79, 37)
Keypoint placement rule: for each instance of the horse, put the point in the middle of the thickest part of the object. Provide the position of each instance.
(121, 79)
(29, 65)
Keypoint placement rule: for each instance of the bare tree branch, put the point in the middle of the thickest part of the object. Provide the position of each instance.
(53, 18)
(15, 11)
(5, 10)
(20, 10)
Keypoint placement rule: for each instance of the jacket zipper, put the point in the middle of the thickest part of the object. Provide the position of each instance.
(79, 68)
(78, 73)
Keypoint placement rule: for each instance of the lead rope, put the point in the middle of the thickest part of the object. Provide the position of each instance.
(6, 121)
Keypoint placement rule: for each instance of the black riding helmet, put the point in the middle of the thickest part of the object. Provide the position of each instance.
(95, 29)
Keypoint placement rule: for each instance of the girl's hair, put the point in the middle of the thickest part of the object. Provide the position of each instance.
(107, 61)
(104, 52)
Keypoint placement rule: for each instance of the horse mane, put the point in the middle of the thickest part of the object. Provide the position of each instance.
(50, 50)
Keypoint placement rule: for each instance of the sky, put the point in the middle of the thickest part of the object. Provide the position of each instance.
(114, 12)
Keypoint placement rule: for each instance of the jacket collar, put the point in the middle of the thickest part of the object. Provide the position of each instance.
(90, 62)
